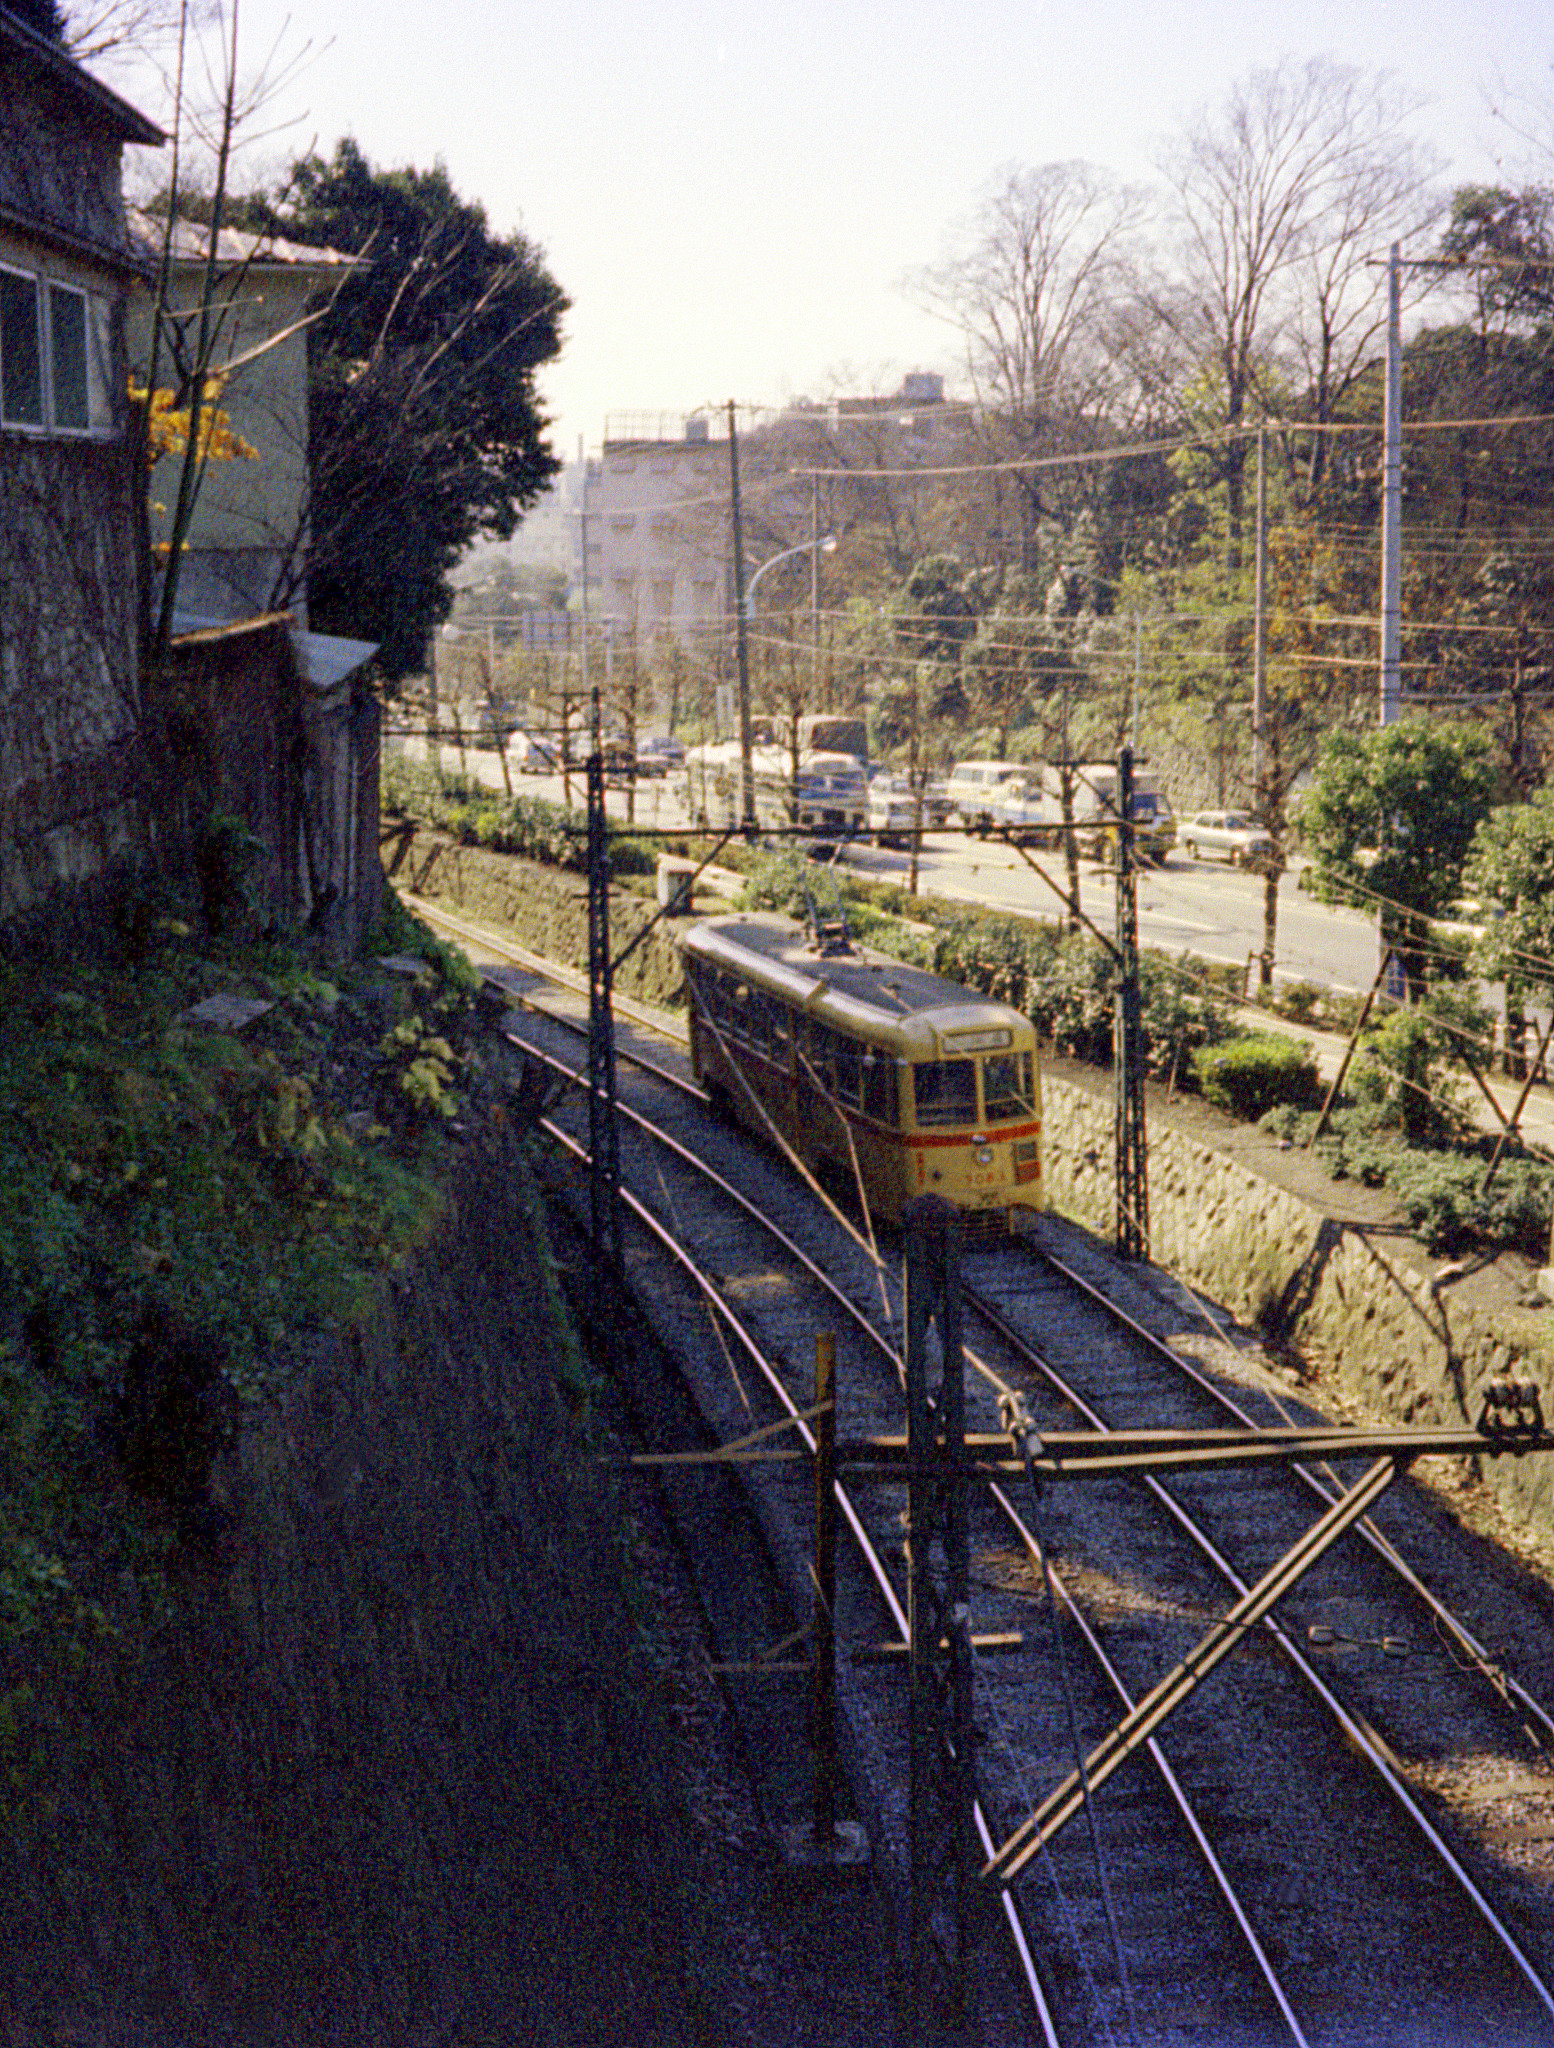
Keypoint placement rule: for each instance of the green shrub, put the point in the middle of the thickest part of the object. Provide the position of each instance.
(1249, 1076)
(633, 857)
(1182, 1015)
(1441, 1194)
(779, 881)
(471, 812)
(1407, 1065)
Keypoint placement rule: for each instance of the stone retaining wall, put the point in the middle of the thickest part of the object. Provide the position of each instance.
(1397, 1343)
(545, 908)
(362, 1780)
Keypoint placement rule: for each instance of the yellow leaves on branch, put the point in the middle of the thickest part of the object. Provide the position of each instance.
(167, 426)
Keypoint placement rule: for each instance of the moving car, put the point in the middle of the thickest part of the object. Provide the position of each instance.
(1094, 798)
(530, 755)
(893, 810)
(659, 754)
(1228, 835)
(831, 794)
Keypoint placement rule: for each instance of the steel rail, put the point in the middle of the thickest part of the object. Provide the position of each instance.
(1026, 1535)
(1358, 1735)
(1499, 1680)
(874, 1562)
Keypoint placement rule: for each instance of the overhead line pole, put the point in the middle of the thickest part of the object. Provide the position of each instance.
(741, 633)
(1259, 628)
(1392, 498)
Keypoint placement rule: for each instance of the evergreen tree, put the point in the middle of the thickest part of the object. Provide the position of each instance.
(426, 429)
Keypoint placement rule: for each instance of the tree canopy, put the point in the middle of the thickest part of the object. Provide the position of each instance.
(426, 429)
(1511, 869)
(1392, 815)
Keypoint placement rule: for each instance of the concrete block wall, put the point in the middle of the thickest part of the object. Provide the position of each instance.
(545, 908)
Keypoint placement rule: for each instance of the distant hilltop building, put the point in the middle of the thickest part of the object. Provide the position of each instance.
(660, 553)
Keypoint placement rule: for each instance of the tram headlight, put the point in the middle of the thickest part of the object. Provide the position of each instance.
(984, 1155)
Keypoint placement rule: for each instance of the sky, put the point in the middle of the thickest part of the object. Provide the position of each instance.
(733, 198)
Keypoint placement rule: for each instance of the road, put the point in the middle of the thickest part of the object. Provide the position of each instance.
(1203, 907)
(1206, 908)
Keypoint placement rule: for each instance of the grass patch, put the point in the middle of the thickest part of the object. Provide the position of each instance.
(178, 1206)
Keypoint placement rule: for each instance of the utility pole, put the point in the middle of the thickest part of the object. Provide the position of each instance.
(1392, 499)
(814, 594)
(1132, 1166)
(742, 644)
(941, 1788)
(1260, 629)
(1392, 561)
(1138, 677)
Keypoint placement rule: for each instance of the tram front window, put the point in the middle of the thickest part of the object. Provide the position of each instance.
(946, 1091)
(1006, 1087)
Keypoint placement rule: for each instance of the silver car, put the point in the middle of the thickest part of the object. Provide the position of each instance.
(1019, 807)
(1226, 835)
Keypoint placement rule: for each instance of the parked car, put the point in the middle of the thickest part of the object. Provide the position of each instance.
(972, 786)
(660, 755)
(1229, 835)
(530, 755)
(1019, 807)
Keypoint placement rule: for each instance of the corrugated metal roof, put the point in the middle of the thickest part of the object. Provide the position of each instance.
(234, 246)
(325, 659)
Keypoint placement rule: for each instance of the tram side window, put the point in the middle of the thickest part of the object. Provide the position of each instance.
(849, 1077)
(879, 1086)
(1006, 1086)
(945, 1091)
(769, 1023)
(820, 1051)
(702, 984)
(740, 1025)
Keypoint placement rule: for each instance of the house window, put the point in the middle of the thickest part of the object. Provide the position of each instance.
(55, 356)
(21, 351)
(67, 358)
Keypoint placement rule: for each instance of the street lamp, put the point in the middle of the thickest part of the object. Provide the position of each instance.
(746, 593)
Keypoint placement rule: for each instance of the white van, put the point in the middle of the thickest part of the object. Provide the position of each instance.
(972, 785)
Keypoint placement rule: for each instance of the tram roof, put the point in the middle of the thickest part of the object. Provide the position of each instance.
(872, 988)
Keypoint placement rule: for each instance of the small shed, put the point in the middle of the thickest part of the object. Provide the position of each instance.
(277, 730)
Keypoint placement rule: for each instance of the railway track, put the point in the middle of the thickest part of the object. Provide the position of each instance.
(1253, 1871)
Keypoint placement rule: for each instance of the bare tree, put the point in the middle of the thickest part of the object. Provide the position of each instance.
(97, 28)
(1382, 194)
(1030, 287)
(1277, 197)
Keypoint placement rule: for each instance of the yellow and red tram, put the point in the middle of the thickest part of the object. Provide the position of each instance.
(854, 1056)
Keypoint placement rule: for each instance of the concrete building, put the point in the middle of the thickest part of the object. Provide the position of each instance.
(660, 553)
(659, 559)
